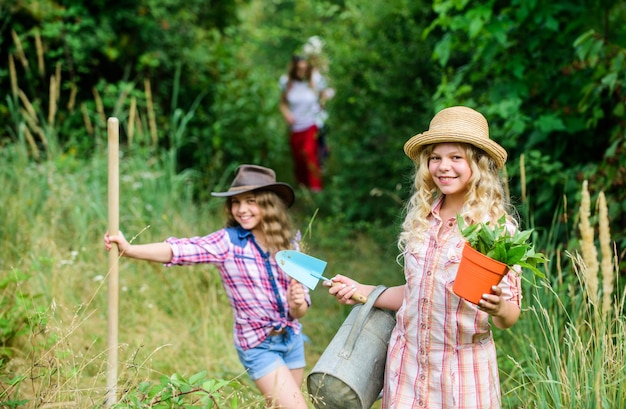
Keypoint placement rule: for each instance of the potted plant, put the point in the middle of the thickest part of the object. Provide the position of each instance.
(490, 252)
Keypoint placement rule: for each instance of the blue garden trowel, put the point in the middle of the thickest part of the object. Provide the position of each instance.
(307, 270)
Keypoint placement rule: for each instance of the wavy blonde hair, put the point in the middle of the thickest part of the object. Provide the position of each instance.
(485, 199)
(275, 220)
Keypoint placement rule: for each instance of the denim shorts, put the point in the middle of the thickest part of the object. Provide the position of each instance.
(276, 350)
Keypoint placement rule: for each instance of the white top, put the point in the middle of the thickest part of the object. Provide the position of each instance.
(303, 101)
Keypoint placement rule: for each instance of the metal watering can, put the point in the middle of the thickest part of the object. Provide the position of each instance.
(350, 372)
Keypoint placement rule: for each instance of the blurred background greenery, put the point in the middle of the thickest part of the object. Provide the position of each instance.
(195, 87)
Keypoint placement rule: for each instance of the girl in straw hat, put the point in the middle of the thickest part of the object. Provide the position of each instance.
(266, 303)
(441, 352)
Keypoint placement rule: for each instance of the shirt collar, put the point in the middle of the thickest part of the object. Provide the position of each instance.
(436, 206)
(239, 236)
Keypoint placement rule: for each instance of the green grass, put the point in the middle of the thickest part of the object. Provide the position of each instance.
(564, 352)
(171, 320)
(175, 323)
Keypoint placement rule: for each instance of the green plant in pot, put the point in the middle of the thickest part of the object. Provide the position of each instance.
(505, 249)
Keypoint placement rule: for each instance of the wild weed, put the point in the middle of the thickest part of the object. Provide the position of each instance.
(568, 348)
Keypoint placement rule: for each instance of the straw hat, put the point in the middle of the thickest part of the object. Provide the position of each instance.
(249, 178)
(457, 124)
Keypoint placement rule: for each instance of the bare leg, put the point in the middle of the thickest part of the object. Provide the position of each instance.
(281, 388)
(298, 375)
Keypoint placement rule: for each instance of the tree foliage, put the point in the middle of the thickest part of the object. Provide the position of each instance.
(203, 77)
(76, 63)
(548, 76)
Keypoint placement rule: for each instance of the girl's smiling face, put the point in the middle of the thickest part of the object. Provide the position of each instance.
(449, 168)
(246, 211)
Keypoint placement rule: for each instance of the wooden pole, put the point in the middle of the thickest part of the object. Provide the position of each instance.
(113, 228)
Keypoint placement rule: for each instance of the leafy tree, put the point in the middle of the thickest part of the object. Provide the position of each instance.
(384, 82)
(548, 76)
(172, 58)
(549, 83)
(383, 77)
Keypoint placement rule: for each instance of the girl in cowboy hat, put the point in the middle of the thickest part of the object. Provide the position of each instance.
(441, 353)
(266, 303)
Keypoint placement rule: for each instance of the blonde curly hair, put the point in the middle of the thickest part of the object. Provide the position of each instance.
(275, 220)
(485, 199)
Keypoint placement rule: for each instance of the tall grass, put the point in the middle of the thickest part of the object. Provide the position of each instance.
(568, 349)
(171, 321)
(174, 323)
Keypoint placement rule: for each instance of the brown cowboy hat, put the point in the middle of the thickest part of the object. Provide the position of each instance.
(457, 124)
(249, 178)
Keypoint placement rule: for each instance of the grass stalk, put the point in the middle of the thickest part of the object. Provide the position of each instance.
(58, 78)
(86, 119)
(99, 106)
(151, 115)
(505, 182)
(587, 246)
(20, 50)
(607, 267)
(31, 141)
(119, 104)
(32, 123)
(522, 175)
(40, 56)
(71, 103)
(13, 75)
(131, 120)
(28, 106)
(52, 107)
(569, 348)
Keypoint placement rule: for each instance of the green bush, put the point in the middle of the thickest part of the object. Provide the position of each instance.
(20, 314)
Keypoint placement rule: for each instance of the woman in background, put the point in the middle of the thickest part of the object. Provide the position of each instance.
(299, 104)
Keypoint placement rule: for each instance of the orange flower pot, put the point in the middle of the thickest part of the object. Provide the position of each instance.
(477, 274)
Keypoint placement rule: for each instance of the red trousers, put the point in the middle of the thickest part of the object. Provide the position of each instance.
(305, 160)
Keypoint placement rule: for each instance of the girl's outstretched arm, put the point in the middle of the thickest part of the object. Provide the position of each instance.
(157, 252)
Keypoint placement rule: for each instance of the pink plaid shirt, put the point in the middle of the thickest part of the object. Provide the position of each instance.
(441, 353)
(246, 281)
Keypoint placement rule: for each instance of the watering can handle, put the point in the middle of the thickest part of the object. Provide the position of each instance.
(355, 331)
